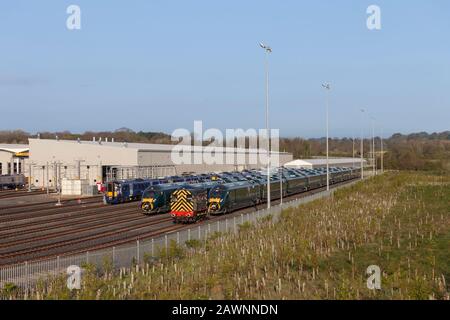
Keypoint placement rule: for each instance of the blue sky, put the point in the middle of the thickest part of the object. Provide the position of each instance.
(159, 65)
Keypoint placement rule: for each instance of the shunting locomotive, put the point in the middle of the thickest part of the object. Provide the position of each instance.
(189, 203)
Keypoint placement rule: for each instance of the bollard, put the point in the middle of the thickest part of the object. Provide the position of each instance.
(189, 234)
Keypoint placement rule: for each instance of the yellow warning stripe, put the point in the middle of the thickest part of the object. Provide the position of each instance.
(182, 203)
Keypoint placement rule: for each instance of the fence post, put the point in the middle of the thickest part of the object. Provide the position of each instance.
(87, 257)
(57, 263)
(113, 256)
(209, 228)
(234, 224)
(178, 237)
(153, 247)
(226, 225)
(199, 233)
(137, 251)
(218, 226)
(26, 275)
(165, 240)
(189, 234)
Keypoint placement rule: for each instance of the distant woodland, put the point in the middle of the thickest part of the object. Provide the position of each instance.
(417, 151)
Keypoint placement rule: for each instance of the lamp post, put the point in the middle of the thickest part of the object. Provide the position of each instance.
(373, 147)
(267, 50)
(353, 150)
(362, 144)
(327, 88)
(382, 155)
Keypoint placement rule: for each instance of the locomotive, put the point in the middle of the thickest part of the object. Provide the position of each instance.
(156, 199)
(233, 196)
(189, 203)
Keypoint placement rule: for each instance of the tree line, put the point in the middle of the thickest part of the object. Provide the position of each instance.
(416, 151)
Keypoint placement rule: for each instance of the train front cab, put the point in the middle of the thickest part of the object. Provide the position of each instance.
(113, 193)
(188, 204)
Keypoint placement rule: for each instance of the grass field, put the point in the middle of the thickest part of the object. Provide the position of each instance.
(321, 250)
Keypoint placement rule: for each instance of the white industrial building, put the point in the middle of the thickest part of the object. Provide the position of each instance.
(95, 161)
(13, 158)
(322, 162)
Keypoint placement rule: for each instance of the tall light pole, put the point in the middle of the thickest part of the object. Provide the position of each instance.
(353, 149)
(327, 88)
(373, 147)
(382, 155)
(362, 143)
(267, 50)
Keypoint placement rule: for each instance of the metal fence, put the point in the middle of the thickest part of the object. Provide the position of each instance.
(25, 275)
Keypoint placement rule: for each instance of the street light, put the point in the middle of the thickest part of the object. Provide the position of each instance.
(353, 149)
(382, 155)
(267, 50)
(327, 88)
(362, 144)
(373, 147)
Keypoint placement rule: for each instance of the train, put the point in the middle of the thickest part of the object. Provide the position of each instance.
(12, 181)
(188, 204)
(120, 191)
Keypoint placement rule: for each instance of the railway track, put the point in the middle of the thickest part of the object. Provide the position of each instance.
(73, 229)
(47, 205)
(19, 193)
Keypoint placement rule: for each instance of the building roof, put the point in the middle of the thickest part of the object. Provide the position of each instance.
(148, 146)
(323, 161)
(14, 148)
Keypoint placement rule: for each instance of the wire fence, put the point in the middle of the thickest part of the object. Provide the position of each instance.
(25, 275)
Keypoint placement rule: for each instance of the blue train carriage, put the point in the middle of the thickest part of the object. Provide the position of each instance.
(126, 190)
(233, 196)
(317, 179)
(296, 182)
(156, 199)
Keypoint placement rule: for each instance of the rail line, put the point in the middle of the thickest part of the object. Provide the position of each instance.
(20, 193)
(69, 232)
(46, 205)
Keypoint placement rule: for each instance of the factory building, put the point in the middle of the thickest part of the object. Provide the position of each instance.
(13, 158)
(100, 160)
(322, 162)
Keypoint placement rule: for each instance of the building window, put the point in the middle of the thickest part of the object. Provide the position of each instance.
(9, 167)
(1, 164)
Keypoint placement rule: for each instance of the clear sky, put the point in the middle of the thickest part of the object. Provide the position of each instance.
(158, 65)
